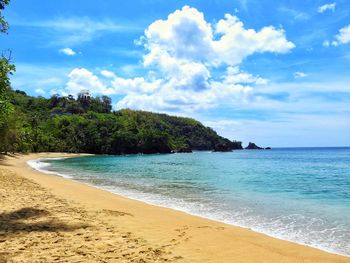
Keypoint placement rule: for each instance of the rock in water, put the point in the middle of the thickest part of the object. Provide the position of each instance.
(253, 146)
(184, 149)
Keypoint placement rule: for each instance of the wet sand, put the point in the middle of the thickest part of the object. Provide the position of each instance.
(46, 218)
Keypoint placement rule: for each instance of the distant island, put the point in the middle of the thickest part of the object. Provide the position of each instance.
(87, 124)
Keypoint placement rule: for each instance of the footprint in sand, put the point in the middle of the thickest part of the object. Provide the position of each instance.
(115, 213)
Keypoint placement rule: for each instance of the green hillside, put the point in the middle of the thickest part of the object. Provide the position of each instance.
(87, 124)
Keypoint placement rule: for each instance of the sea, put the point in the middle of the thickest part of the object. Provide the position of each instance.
(296, 194)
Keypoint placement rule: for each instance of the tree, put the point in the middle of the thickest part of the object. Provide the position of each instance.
(107, 104)
(3, 24)
(54, 100)
(6, 69)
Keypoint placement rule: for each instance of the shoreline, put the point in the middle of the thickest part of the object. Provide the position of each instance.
(225, 242)
(172, 207)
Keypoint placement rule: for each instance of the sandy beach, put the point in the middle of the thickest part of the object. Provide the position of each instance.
(47, 218)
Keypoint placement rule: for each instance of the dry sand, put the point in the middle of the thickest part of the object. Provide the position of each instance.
(46, 218)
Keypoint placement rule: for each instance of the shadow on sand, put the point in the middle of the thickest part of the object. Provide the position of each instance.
(3, 158)
(13, 222)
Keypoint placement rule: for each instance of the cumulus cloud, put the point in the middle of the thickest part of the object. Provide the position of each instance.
(343, 37)
(186, 35)
(67, 51)
(83, 79)
(236, 42)
(181, 54)
(324, 8)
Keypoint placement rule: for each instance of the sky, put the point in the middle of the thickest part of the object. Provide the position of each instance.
(273, 72)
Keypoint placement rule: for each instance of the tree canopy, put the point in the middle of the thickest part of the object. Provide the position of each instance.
(87, 124)
(6, 69)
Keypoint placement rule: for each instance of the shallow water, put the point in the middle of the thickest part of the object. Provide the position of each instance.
(297, 194)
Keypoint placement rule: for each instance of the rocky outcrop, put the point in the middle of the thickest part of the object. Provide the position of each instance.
(227, 146)
(253, 146)
(184, 149)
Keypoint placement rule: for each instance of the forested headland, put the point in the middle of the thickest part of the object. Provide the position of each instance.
(87, 124)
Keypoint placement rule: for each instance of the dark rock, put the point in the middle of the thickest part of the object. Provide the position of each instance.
(222, 147)
(268, 148)
(157, 149)
(225, 145)
(184, 149)
(253, 146)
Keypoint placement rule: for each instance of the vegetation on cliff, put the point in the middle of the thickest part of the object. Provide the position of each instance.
(87, 124)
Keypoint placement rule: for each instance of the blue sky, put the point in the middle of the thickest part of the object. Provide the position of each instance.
(272, 72)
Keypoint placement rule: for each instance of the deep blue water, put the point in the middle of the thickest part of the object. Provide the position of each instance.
(297, 194)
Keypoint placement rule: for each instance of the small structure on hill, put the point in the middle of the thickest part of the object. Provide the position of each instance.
(85, 94)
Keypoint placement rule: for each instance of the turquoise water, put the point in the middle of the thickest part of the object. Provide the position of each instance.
(301, 194)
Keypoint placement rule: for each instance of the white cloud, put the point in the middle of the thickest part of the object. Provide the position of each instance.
(75, 30)
(343, 37)
(324, 8)
(108, 74)
(182, 52)
(236, 42)
(184, 49)
(108, 83)
(134, 85)
(40, 91)
(186, 35)
(174, 100)
(235, 76)
(326, 43)
(298, 75)
(82, 79)
(67, 51)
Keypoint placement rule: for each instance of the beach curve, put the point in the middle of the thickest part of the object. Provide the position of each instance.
(188, 238)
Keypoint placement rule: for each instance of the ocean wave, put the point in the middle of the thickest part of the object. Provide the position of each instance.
(42, 166)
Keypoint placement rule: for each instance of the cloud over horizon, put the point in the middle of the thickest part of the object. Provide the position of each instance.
(181, 53)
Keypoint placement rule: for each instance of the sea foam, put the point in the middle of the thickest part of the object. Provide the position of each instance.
(43, 166)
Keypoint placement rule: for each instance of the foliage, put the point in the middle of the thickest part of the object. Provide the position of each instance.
(3, 23)
(8, 135)
(86, 124)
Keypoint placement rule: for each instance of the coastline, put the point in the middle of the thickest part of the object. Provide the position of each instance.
(188, 238)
